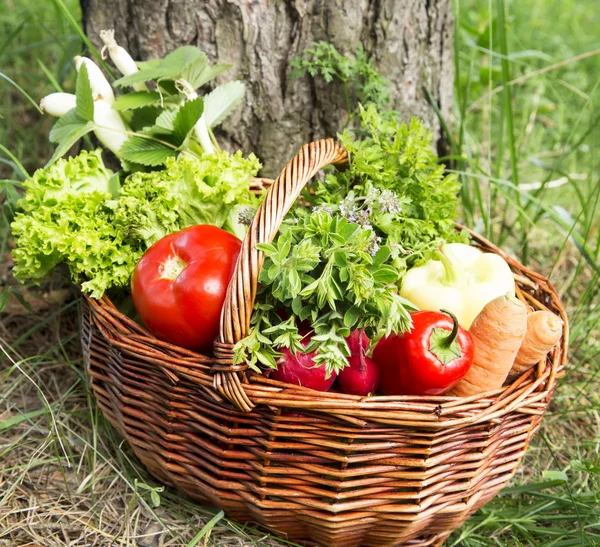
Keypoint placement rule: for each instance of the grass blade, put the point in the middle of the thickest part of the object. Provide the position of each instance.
(77, 28)
(22, 91)
(206, 529)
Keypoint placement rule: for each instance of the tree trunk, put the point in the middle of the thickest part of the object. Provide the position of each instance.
(410, 42)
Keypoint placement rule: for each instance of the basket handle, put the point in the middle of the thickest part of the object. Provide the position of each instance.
(239, 301)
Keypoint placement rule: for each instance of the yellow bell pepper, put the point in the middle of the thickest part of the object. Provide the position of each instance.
(461, 279)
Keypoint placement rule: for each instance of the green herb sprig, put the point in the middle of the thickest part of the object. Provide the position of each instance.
(394, 184)
(332, 273)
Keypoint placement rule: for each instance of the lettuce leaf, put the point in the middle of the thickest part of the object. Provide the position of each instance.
(63, 217)
(189, 191)
(74, 212)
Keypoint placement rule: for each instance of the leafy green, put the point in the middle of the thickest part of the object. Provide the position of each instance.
(145, 151)
(222, 101)
(339, 266)
(331, 272)
(161, 122)
(360, 81)
(394, 184)
(84, 98)
(85, 173)
(136, 99)
(64, 218)
(206, 190)
(76, 123)
(75, 212)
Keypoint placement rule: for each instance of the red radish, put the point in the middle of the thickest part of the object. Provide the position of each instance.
(300, 369)
(358, 342)
(361, 376)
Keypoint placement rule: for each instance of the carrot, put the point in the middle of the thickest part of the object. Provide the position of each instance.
(497, 332)
(544, 330)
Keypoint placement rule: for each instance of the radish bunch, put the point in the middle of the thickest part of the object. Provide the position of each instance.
(360, 377)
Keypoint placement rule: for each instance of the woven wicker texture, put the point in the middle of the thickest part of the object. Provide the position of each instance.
(322, 468)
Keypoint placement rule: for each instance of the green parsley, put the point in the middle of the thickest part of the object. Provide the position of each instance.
(332, 273)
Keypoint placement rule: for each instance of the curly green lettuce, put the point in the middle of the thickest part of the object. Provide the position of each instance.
(74, 212)
(78, 230)
(64, 217)
(206, 190)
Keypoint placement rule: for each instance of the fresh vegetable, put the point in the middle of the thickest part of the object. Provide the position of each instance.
(64, 217)
(179, 285)
(497, 332)
(75, 212)
(211, 189)
(101, 88)
(119, 56)
(428, 360)
(332, 273)
(146, 128)
(58, 104)
(544, 330)
(395, 185)
(110, 128)
(392, 204)
(460, 279)
(361, 376)
(302, 370)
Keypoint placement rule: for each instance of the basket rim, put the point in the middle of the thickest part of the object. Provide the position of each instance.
(528, 394)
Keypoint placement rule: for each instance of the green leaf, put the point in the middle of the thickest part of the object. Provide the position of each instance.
(385, 274)
(4, 298)
(11, 422)
(22, 300)
(146, 151)
(295, 283)
(70, 139)
(555, 475)
(165, 123)
(352, 316)
(340, 259)
(171, 67)
(206, 529)
(382, 256)
(114, 185)
(84, 97)
(136, 99)
(145, 65)
(193, 70)
(187, 117)
(65, 126)
(209, 73)
(140, 76)
(222, 101)
(155, 497)
(267, 248)
(176, 61)
(144, 117)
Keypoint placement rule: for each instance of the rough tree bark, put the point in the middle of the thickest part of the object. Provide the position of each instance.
(410, 42)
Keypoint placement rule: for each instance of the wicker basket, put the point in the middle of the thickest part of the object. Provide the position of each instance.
(321, 468)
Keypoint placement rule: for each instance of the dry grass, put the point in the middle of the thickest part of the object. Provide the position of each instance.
(66, 477)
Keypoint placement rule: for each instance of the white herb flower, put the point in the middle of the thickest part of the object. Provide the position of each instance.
(374, 244)
(389, 202)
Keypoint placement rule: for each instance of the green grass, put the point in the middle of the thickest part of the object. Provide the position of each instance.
(525, 137)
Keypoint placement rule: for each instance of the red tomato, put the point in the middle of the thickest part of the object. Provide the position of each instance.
(429, 360)
(179, 285)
